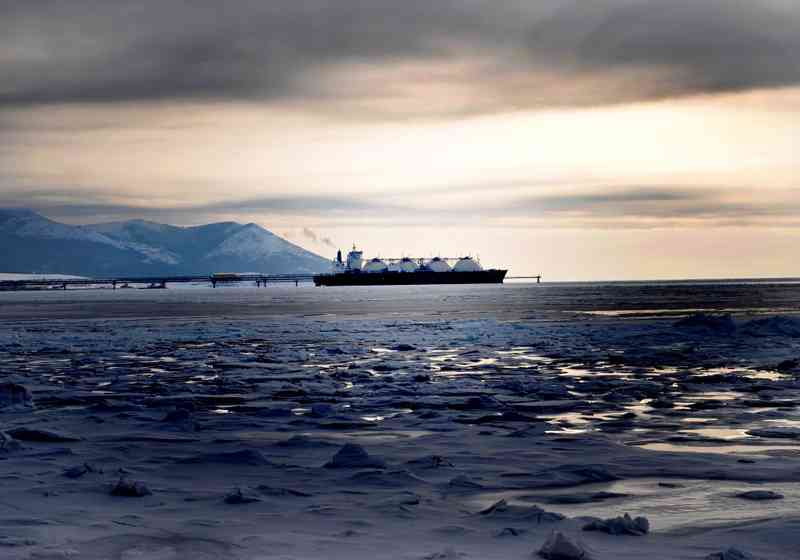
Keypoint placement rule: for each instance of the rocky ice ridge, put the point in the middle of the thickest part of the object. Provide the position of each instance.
(444, 439)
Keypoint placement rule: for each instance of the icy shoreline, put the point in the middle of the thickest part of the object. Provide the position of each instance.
(229, 425)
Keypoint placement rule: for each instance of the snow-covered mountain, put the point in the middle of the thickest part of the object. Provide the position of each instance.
(31, 243)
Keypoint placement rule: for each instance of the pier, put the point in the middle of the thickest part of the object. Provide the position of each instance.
(161, 282)
(538, 278)
(152, 282)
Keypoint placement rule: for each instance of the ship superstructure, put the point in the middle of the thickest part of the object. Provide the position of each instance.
(354, 271)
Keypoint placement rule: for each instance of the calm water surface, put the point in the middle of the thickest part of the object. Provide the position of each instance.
(506, 301)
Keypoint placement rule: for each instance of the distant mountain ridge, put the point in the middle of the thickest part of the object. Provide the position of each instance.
(32, 243)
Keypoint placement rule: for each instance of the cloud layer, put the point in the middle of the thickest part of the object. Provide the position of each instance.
(412, 57)
(617, 206)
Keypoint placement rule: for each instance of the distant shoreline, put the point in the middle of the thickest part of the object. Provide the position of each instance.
(28, 276)
(510, 279)
(776, 280)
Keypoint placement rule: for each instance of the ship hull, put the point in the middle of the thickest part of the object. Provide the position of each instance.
(409, 278)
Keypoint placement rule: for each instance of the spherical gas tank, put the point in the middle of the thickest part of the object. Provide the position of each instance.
(437, 264)
(467, 264)
(407, 265)
(375, 265)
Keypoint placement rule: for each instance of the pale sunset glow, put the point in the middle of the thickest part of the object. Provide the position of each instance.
(522, 144)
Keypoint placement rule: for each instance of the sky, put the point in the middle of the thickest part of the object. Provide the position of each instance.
(611, 139)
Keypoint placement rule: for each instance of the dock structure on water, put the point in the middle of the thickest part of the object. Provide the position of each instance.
(152, 282)
(161, 282)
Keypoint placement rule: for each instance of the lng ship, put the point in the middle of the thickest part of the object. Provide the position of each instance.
(405, 271)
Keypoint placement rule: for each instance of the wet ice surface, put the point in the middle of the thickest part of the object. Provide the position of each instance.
(584, 416)
(674, 506)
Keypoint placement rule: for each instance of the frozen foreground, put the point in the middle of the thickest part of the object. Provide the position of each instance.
(427, 435)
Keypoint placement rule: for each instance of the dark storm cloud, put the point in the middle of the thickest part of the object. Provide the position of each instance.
(653, 203)
(89, 50)
(538, 53)
(618, 197)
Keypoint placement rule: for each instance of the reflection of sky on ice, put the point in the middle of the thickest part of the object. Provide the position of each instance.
(360, 362)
